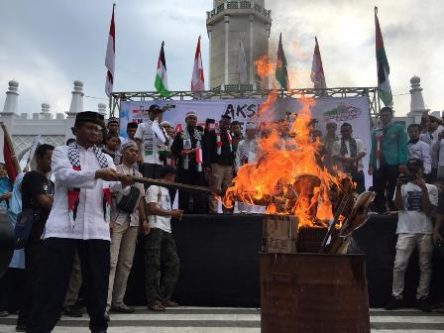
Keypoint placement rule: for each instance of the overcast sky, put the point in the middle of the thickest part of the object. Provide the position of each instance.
(45, 45)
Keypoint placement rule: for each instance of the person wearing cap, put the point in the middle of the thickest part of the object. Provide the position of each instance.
(188, 148)
(79, 219)
(124, 229)
(149, 143)
(348, 153)
(388, 156)
(220, 159)
(416, 201)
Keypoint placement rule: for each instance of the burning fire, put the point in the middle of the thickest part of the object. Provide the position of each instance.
(288, 176)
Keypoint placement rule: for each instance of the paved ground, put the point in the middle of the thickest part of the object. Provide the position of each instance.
(231, 320)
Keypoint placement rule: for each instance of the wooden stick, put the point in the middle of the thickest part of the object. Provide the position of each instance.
(179, 186)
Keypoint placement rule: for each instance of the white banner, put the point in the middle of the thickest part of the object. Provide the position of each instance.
(353, 110)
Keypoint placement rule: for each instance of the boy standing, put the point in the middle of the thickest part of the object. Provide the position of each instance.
(161, 259)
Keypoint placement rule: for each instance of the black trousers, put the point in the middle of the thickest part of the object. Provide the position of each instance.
(384, 183)
(359, 178)
(33, 251)
(55, 269)
(11, 290)
(192, 203)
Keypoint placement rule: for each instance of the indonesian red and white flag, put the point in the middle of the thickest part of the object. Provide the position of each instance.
(197, 78)
(317, 70)
(110, 57)
(9, 158)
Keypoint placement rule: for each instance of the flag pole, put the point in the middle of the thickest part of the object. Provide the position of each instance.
(8, 141)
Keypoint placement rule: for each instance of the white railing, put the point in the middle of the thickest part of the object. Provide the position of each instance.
(238, 5)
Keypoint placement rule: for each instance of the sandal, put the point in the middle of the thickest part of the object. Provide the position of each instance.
(170, 304)
(157, 307)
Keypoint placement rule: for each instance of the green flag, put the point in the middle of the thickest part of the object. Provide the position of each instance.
(281, 66)
(161, 81)
(384, 89)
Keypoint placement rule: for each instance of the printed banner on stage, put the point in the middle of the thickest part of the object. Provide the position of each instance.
(353, 110)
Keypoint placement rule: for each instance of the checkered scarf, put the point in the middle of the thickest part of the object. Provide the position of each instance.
(73, 193)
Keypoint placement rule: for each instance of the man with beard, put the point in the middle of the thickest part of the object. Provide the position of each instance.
(187, 146)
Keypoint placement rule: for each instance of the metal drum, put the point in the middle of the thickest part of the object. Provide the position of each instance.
(7, 242)
(311, 293)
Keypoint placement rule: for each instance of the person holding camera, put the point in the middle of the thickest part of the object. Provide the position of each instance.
(128, 213)
(415, 201)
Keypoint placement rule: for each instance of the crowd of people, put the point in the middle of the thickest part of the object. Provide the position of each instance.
(86, 219)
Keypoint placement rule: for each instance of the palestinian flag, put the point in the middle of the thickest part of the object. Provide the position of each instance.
(281, 66)
(384, 89)
(161, 81)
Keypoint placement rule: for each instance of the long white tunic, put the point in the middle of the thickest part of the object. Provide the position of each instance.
(421, 150)
(90, 222)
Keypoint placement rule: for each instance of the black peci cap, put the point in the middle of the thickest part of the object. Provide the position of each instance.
(155, 107)
(90, 116)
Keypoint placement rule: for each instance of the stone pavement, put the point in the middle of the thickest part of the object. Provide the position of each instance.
(231, 320)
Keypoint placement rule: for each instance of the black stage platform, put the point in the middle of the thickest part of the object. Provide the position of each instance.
(220, 261)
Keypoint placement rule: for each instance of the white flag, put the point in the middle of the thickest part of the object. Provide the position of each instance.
(242, 65)
(110, 57)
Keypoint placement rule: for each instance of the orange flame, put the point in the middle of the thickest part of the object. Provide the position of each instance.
(288, 176)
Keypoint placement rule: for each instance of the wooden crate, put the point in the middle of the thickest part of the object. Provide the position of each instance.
(279, 233)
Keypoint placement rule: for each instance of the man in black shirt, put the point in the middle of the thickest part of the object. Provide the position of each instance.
(188, 147)
(220, 161)
(37, 197)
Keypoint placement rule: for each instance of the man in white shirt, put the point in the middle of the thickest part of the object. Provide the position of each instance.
(418, 148)
(161, 259)
(124, 229)
(415, 200)
(79, 219)
(348, 153)
(433, 129)
(246, 153)
(147, 137)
